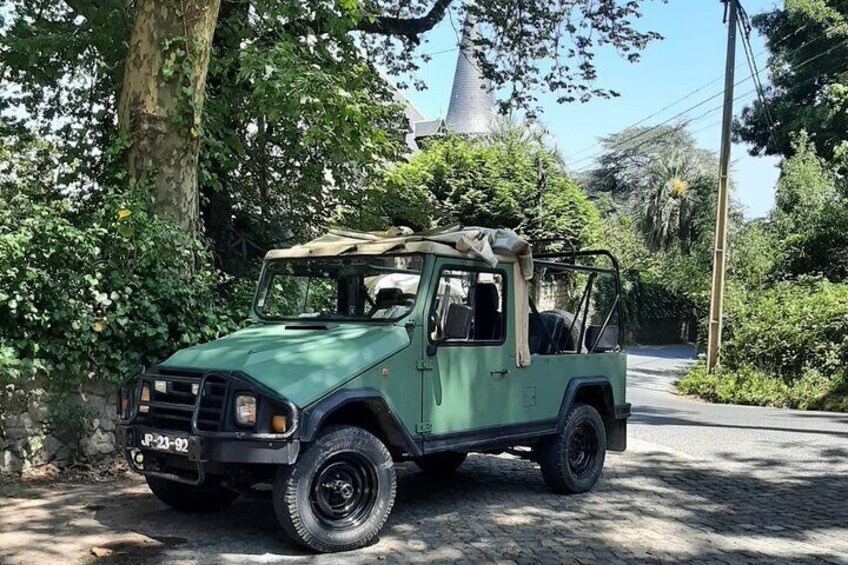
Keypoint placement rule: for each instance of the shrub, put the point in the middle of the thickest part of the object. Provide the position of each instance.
(786, 346)
(89, 295)
(789, 328)
(510, 183)
(657, 287)
(812, 391)
(811, 212)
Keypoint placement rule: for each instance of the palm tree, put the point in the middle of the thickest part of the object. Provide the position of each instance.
(675, 184)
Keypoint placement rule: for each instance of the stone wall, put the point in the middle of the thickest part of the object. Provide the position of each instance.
(34, 432)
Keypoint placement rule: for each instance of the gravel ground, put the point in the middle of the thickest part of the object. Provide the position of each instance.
(699, 483)
(651, 505)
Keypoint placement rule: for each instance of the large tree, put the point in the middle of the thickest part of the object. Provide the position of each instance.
(161, 101)
(808, 45)
(159, 83)
(282, 115)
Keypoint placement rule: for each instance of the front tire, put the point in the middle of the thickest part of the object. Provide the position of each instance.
(339, 493)
(572, 461)
(208, 497)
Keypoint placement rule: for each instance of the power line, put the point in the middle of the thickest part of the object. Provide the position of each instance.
(745, 31)
(696, 91)
(702, 102)
(439, 52)
(662, 133)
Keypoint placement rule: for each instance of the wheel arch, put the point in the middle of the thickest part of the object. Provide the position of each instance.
(597, 393)
(364, 408)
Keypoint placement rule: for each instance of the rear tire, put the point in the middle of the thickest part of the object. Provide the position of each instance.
(339, 493)
(572, 461)
(441, 463)
(208, 497)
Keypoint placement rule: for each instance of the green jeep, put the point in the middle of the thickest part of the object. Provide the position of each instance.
(369, 349)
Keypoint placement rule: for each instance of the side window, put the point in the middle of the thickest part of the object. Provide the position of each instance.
(483, 292)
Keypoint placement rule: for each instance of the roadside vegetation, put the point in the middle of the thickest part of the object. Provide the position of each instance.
(785, 340)
(105, 265)
(785, 334)
(152, 152)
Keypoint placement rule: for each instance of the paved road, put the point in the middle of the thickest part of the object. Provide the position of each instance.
(699, 483)
(746, 438)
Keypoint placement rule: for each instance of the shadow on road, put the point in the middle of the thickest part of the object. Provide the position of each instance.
(650, 505)
(661, 416)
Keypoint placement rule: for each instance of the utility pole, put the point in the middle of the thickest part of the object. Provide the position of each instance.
(719, 252)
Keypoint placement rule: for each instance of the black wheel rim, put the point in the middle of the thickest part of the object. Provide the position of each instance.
(582, 450)
(344, 491)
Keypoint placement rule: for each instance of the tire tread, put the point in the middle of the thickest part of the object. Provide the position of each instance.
(552, 457)
(288, 512)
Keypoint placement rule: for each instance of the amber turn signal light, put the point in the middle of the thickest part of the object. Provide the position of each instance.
(279, 424)
(145, 397)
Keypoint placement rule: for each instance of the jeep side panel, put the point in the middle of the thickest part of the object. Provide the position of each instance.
(397, 379)
(467, 384)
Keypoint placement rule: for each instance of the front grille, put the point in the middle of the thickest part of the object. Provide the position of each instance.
(179, 394)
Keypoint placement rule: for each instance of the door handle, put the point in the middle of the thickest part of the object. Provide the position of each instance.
(499, 373)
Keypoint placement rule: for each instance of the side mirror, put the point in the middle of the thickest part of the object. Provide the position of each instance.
(458, 323)
(457, 326)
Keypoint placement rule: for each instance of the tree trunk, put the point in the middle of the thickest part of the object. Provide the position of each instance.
(161, 101)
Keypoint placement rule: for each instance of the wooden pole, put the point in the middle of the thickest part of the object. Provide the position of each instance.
(719, 252)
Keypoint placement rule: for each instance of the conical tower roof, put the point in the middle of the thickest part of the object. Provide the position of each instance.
(472, 106)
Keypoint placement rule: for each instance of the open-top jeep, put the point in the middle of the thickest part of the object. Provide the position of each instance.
(371, 349)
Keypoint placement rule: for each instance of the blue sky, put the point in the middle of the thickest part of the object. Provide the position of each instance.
(691, 55)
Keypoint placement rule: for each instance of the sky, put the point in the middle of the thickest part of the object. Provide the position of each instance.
(691, 55)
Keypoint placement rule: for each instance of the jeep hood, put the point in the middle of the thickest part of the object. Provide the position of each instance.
(301, 363)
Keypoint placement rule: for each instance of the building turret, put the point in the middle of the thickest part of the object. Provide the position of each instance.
(472, 106)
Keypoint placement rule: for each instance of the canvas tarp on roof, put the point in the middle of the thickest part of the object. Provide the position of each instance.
(490, 245)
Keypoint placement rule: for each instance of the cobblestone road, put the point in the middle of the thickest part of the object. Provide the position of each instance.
(651, 505)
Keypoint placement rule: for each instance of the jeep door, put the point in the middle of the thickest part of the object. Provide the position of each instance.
(466, 383)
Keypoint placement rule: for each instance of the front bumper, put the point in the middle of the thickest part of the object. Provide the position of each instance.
(195, 408)
(205, 452)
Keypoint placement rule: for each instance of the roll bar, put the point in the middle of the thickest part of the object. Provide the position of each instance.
(568, 261)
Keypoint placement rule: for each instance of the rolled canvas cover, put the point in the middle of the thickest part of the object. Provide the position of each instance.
(490, 245)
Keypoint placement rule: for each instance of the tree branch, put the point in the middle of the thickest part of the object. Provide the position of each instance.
(407, 27)
(81, 7)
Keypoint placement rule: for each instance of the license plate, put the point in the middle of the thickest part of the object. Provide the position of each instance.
(164, 442)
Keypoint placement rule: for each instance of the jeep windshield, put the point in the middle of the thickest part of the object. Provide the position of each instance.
(352, 288)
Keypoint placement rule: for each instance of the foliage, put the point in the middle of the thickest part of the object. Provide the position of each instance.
(69, 417)
(785, 346)
(812, 391)
(809, 81)
(628, 154)
(657, 189)
(296, 115)
(62, 72)
(90, 293)
(532, 47)
(661, 291)
(292, 126)
(661, 178)
(789, 327)
(676, 185)
(510, 181)
(753, 254)
(811, 212)
(284, 114)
